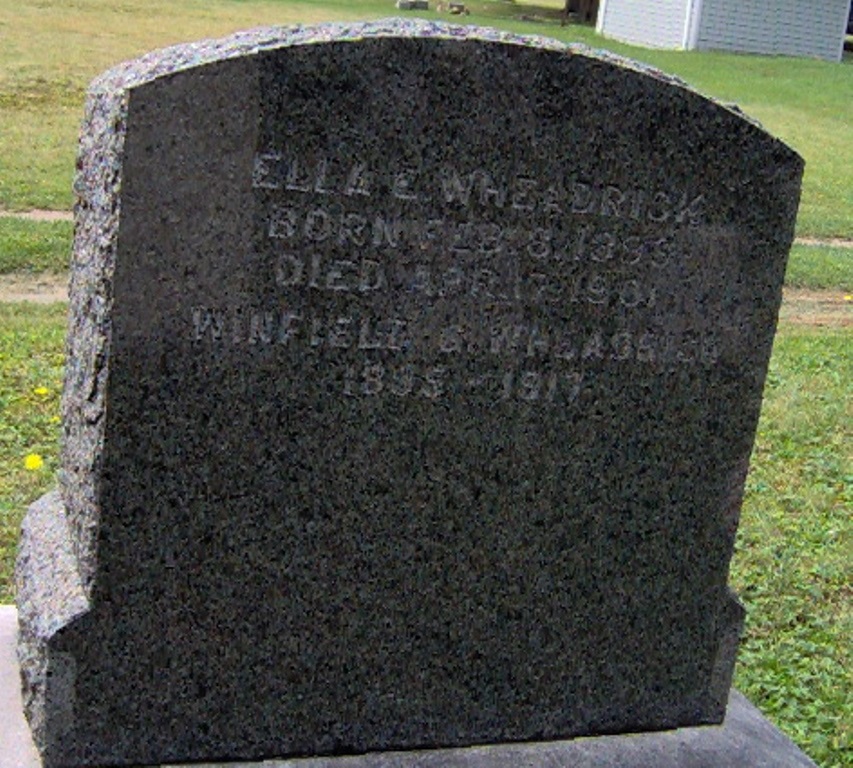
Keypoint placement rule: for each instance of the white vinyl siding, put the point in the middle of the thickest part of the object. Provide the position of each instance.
(658, 24)
(780, 27)
(772, 27)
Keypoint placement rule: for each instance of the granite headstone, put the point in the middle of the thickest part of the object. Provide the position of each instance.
(413, 373)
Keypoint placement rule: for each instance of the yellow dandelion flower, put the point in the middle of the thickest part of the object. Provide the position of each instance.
(32, 462)
(41, 391)
(848, 297)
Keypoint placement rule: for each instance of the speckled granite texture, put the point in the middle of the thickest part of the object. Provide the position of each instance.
(413, 376)
(745, 740)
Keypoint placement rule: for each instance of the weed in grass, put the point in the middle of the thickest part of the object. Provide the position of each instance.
(33, 462)
(31, 360)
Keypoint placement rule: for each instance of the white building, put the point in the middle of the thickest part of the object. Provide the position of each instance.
(777, 27)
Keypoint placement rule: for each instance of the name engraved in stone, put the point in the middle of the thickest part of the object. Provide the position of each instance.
(297, 172)
(562, 273)
(496, 338)
(272, 170)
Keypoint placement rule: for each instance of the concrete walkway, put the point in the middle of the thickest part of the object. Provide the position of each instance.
(16, 744)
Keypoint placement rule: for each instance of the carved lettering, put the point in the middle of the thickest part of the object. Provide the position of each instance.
(565, 271)
(341, 275)
(402, 381)
(265, 170)
(336, 275)
(404, 185)
(207, 320)
(353, 229)
(523, 198)
(478, 186)
(289, 270)
(294, 180)
(533, 386)
(261, 328)
(288, 326)
(283, 223)
(358, 181)
(433, 386)
(318, 225)
(612, 200)
(386, 231)
(371, 276)
(519, 193)
(583, 200)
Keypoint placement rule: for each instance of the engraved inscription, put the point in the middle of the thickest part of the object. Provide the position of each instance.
(477, 188)
(504, 286)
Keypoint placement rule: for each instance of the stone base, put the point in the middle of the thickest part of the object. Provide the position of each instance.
(745, 740)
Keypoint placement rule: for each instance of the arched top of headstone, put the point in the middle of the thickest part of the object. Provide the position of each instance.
(179, 58)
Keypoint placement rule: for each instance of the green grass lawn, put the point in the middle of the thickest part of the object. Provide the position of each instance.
(792, 567)
(53, 48)
(820, 267)
(34, 246)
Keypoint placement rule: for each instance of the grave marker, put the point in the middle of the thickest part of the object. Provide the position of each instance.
(413, 376)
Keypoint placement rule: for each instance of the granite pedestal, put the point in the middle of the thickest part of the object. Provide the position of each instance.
(745, 740)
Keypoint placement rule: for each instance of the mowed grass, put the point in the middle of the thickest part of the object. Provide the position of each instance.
(806, 103)
(792, 566)
(794, 558)
(53, 48)
(34, 246)
(820, 267)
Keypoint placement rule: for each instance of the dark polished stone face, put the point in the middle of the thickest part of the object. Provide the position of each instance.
(432, 375)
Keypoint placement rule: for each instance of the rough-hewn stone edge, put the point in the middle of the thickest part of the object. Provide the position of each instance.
(97, 209)
(50, 597)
